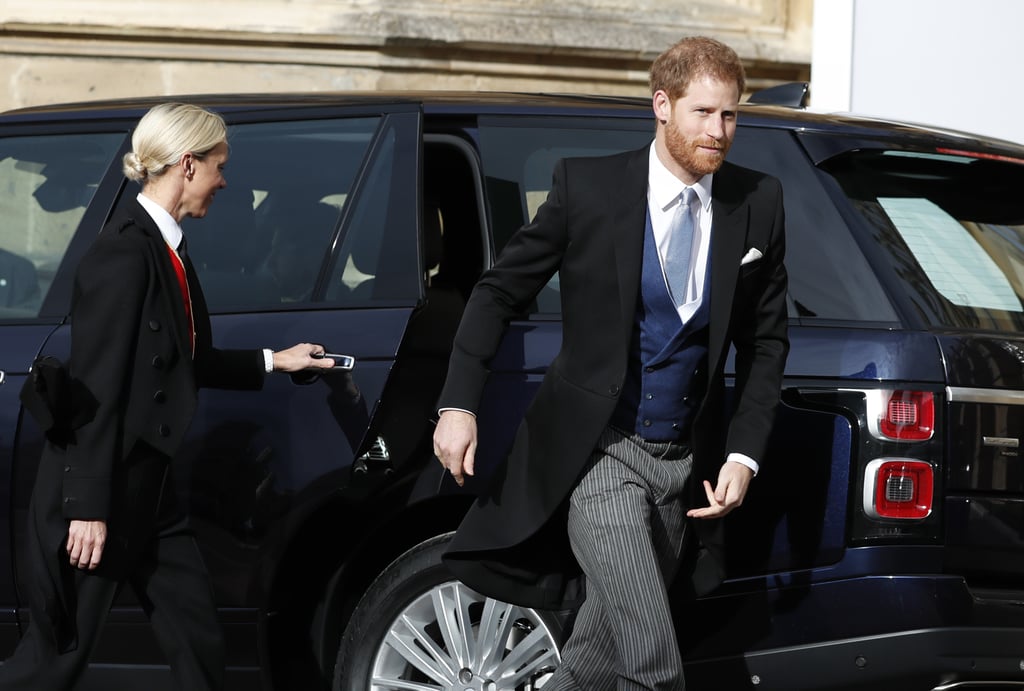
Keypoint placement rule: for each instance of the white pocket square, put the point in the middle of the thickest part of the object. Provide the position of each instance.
(752, 255)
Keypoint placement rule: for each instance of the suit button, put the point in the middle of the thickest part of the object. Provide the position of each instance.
(647, 423)
(154, 325)
(613, 390)
(67, 469)
(158, 362)
(159, 396)
(650, 396)
(67, 500)
(164, 430)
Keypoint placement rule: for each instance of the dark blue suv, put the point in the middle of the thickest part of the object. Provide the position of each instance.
(881, 548)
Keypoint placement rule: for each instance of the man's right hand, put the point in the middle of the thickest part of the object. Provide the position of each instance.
(85, 543)
(455, 443)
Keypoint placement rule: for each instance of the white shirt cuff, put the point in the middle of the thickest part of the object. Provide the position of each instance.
(461, 410)
(744, 460)
(268, 360)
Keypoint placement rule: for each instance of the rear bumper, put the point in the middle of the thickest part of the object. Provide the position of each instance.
(922, 659)
(876, 633)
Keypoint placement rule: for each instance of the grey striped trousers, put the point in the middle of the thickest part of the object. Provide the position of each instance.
(627, 527)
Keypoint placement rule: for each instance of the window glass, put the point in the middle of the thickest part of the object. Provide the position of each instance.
(830, 279)
(46, 183)
(950, 224)
(378, 262)
(265, 237)
(518, 160)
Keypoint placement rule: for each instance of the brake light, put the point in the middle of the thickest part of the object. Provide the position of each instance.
(899, 488)
(908, 416)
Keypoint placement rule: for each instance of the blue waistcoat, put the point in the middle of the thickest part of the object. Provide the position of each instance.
(666, 377)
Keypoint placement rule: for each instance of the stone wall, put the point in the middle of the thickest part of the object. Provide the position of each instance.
(67, 50)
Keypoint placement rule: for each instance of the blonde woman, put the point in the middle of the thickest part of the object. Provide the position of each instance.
(103, 511)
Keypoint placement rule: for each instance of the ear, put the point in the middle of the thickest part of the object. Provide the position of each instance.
(662, 106)
(187, 163)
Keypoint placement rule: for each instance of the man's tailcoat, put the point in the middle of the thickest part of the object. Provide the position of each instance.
(513, 544)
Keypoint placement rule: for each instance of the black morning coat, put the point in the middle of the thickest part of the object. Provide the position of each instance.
(513, 545)
(133, 380)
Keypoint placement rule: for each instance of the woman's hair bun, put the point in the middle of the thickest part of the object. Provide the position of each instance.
(134, 169)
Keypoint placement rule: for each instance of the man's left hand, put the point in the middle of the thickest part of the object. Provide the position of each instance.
(733, 481)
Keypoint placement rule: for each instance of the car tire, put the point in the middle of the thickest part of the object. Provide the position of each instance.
(418, 627)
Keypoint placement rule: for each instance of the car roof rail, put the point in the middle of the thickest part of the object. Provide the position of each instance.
(791, 94)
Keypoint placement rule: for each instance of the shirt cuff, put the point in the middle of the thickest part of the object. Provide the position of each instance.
(268, 360)
(461, 410)
(744, 460)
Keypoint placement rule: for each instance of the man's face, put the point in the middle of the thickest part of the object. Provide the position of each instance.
(699, 127)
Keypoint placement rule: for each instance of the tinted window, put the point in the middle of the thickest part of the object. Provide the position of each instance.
(518, 159)
(378, 262)
(829, 277)
(268, 233)
(46, 183)
(950, 225)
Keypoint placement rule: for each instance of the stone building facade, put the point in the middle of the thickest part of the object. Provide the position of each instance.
(68, 50)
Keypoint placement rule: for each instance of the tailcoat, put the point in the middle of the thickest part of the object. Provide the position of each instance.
(133, 387)
(512, 544)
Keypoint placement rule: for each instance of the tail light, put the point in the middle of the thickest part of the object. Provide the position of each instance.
(898, 488)
(908, 416)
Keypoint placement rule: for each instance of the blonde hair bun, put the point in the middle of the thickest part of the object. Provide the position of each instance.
(134, 168)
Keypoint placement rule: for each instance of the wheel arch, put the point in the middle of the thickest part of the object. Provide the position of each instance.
(333, 557)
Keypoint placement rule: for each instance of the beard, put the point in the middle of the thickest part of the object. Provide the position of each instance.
(690, 155)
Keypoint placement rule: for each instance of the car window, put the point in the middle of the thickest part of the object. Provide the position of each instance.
(46, 183)
(830, 279)
(267, 234)
(378, 263)
(518, 158)
(950, 225)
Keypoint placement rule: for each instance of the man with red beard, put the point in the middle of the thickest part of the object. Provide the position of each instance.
(667, 256)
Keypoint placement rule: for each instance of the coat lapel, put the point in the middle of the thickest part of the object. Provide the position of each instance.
(628, 222)
(166, 276)
(728, 235)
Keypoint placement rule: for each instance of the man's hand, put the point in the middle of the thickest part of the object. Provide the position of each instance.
(301, 357)
(733, 481)
(86, 540)
(455, 443)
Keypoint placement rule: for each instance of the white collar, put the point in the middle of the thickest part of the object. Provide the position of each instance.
(169, 228)
(665, 187)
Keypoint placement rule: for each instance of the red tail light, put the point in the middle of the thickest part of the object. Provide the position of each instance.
(898, 488)
(908, 416)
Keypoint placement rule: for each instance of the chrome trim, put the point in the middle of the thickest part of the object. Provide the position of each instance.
(3, 376)
(979, 684)
(962, 394)
(1004, 442)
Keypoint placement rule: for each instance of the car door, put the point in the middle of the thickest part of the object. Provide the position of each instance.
(52, 182)
(314, 239)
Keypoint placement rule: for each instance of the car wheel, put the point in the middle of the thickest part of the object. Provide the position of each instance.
(419, 628)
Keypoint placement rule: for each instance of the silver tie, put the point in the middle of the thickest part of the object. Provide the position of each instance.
(679, 248)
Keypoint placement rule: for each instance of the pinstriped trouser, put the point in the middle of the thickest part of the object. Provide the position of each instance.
(627, 527)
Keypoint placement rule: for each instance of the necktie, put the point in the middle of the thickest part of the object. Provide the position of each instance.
(679, 248)
(178, 261)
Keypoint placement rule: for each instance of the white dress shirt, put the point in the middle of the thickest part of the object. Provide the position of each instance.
(664, 192)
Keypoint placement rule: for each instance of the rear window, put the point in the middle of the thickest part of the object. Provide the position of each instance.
(950, 224)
